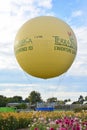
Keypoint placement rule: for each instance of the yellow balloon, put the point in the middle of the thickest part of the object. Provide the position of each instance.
(45, 47)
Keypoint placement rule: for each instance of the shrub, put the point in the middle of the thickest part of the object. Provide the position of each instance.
(9, 123)
(23, 123)
(79, 109)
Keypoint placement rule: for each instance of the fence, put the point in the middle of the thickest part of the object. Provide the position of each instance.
(56, 106)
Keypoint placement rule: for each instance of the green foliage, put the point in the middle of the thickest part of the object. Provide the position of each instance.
(86, 98)
(12, 123)
(63, 123)
(79, 109)
(27, 99)
(14, 99)
(53, 99)
(9, 123)
(62, 107)
(34, 97)
(38, 125)
(23, 123)
(7, 109)
(3, 101)
(21, 106)
(81, 99)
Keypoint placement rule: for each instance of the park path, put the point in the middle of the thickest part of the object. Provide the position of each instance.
(23, 129)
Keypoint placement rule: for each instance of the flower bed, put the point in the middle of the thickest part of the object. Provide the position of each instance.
(13, 121)
(44, 120)
(66, 123)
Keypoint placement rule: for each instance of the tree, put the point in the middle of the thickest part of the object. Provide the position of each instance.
(16, 99)
(75, 102)
(60, 102)
(86, 98)
(66, 100)
(21, 106)
(53, 99)
(27, 100)
(3, 101)
(35, 97)
(80, 99)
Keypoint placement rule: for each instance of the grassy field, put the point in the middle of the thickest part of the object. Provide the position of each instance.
(7, 109)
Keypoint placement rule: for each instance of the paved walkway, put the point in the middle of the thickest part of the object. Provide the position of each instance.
(23, 129)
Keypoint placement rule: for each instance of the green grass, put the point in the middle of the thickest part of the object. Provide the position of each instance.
(7, 109)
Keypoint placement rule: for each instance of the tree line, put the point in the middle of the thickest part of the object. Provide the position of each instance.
(35, 97)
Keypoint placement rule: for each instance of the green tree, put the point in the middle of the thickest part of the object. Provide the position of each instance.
(35, 97)
(66, 100)
(3, 101)
(14, 99)
(80, 99)
(53, 99)
(60, 102)
(21, 106)
(27, 100)
(86, 98)
(75, 102)
(17, 99)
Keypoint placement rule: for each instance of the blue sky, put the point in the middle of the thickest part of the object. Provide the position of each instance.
(13, 80)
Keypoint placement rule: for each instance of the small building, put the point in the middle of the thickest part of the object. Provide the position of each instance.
(44, 107)
(12, 104)
(16, 104)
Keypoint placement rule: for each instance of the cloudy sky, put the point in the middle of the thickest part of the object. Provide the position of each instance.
(13, 80)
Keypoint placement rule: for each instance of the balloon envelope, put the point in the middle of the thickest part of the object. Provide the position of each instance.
(45, 47)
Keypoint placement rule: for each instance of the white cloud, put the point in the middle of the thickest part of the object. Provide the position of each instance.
(10, 90)
(7, 58)
(77, 13)
(79, 66)
(65, 95)
(45, 3)
(4, 6)
(17, 85)
(28, 8)
(12, 15)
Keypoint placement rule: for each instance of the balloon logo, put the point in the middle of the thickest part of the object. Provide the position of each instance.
(45, 47)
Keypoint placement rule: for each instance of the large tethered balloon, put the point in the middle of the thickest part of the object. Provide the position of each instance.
(45, 47)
